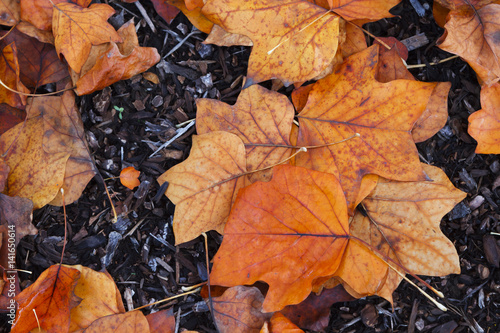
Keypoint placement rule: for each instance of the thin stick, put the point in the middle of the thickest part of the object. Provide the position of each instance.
(65, 225)
(34, 95)
(145, 15)
(115, 218)
(38, 322)
(168, 299)
(371, 35)
(355, 135)
(432, 63)
(208, 282)
(180, 132)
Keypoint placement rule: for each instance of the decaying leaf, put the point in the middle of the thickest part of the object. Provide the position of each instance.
(17, 212)
(117, 62)
(51, 297)
(133, 321)
(279, 323)
(473, 35)
(10, 117)
(351, 101)
(239, 310)
(221, 37)
(129, 177)
(363, 9)
(9, 12)
(287, 28)
(39, 12)
(195, 16)
(76, 29)
(205, 185)
(9, 74)
(402, 225)
(260, 117)
(167, 11)
(484, 125)
(293, 229)
(162, 321)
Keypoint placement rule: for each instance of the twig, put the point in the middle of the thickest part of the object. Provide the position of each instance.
(194, 32)
(180, 132)
(432, 63)
(145, 15)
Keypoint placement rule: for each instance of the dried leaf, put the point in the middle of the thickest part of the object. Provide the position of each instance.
(10, 12)
(51, 297)
(118, 62)
(484, 125)
(204, 186)
(401, 223)
(239, 310)
(221, 37)
(129, 177)
(285, 28)
(9, 74)
(363, 9)
(39, 12)
(76, 29)
(354, 42)
(167, 11)
(195, 16)
(293, 229)
(280, 324)
(133, 321)
(260, 117)
(38, 62)
(100, 297)
(351, 101)
(4, 173)
(162, 321)
(473, 35)
(16, 211)
(10, 117)
(32, 31)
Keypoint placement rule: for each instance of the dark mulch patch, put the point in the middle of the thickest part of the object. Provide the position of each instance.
(139, 250)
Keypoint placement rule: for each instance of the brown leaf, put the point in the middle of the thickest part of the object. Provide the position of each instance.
(10, 12)
(76, 29)
(402, 224)
(279, 323)
(117, 62)
(38, 62)
(351, 101)
(162, 321)
(99, 298)
(239, 310)
(9, 74)
(10, 117)
(129, 177)
(314, 312)
(51, 297)
(293, 229)
(4, 173)
(285, 28)
(354, 42)
(17, 212)
(195, 16)
(39, 12)
(34, 174)
(221, 37)
(167, 11)
(473, 35)
(63, 133)
(484, 125)
(30, 30)
(261, 118)
(204, 186)
(133, 321)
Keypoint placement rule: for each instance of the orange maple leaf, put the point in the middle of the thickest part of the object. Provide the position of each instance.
(351, 101)
(484, 125)
(279, 323)
(293, 228)
(76, 29)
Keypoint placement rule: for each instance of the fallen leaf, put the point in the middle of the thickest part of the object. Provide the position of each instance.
(314, 312)
(133, 321)
(472, 34)
(17, 212)
(402, 225)
(239, 310)
(280, 30)
(129, 177)
(195, 16)
(39, 12)
(39, 63)
(34, 174)
(221, 37)
(363, 9)
(32, 31)
(63, 133)
(99, 298)
(204, 186)
(9, 12)
(293, 228)
(355, 41)
(166, 11)
(455, 4)
(351, 101)
(76, 29)
(192, 4)
(484, 125)
(118, 62)
(9, 74)
(10, 117)
(280, 324)
(260, 117)
(161, 321)
(51, 298)
(4, 173)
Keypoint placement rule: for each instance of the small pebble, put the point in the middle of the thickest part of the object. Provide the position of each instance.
(419, 324)
(476, 202)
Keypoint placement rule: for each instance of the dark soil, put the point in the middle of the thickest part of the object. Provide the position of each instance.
(130, 248)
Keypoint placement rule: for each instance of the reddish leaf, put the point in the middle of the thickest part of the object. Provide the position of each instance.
(10, 117)
(9, 74)
(293, 229)
(129, 177)
(280, 324)
(484, 125)
(117, 62)
(161, 321)
(51, 297)
(167, 11)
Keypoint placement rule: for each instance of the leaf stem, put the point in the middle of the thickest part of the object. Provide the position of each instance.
(167, 299)
(208, 282)
(34, 95)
